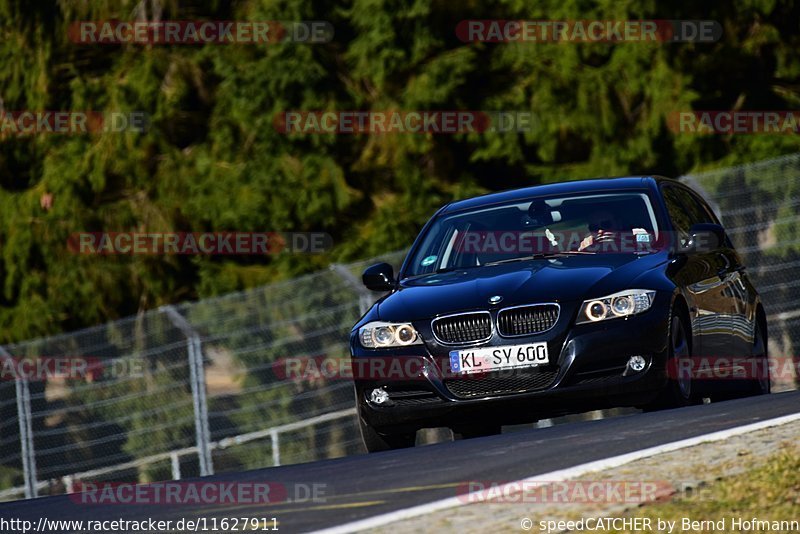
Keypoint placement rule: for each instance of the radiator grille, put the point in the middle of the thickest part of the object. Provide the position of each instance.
(527, 320)
(501, 383)
(463, 328)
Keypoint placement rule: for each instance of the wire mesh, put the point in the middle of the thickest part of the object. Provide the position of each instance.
(135, 419)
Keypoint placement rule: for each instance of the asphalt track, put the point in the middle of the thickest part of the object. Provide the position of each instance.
(359, 487)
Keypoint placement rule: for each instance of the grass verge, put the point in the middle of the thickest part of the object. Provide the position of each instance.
(769, 493)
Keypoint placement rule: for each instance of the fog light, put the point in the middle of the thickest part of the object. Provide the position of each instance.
(636, 363)
(378, 396)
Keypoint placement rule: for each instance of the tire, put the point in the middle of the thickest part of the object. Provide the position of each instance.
(760, 385)
(477, 431)
(375, 441)
(681, 389)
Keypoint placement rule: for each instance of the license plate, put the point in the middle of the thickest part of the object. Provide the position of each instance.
(485, 359)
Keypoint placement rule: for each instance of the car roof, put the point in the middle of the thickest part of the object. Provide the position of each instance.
(576, 186)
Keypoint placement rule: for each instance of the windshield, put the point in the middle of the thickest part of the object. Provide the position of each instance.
(573, 224)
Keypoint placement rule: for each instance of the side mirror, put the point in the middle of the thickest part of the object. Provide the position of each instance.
(705, 237)
(379, 277)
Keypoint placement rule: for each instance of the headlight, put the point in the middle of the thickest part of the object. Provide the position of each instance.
(622, 304)
(379, 335)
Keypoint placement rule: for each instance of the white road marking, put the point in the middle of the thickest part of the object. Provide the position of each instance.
(558, 476)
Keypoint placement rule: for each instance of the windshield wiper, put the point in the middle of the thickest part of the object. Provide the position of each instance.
(541, 256)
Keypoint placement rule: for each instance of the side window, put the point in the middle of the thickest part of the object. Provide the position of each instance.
(685, 209)
(697, 210)
(710, 215)
(678, 214)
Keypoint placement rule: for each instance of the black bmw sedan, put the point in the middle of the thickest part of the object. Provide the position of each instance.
(556, 299)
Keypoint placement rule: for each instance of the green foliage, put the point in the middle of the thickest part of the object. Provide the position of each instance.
(212, 159)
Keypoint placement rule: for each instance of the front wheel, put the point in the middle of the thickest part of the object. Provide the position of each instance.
(761, 383)
(476, 431)
(680, 389)
(758, 379)
(375, 441)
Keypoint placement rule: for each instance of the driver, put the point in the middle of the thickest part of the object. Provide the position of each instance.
(604, 227)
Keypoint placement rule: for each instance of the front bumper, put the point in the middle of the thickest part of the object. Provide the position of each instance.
(589, 373)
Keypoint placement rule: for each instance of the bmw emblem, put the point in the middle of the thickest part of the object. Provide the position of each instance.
(495, 299)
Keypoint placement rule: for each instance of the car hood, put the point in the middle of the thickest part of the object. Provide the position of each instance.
(559, 279)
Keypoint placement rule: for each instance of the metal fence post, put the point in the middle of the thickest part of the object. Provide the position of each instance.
(276, 448)
(198, 383)
(175, 463)
(25, 418)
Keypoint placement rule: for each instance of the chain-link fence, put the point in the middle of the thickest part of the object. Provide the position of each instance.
(186, 390)
(202, 387)
(758, 204)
